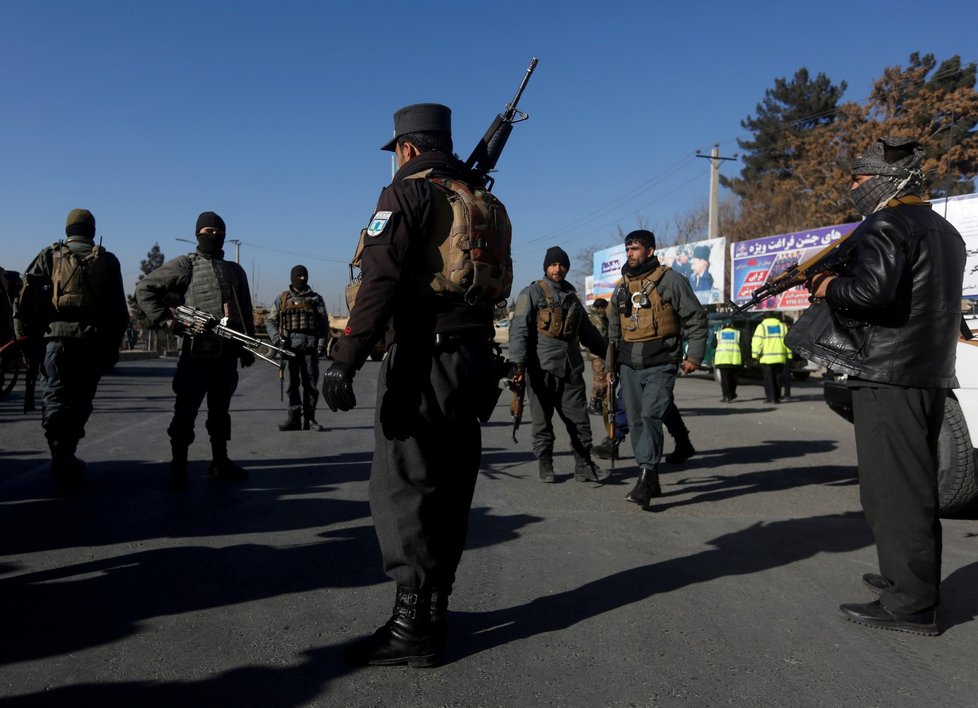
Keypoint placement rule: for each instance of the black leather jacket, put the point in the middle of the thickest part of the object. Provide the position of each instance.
(893, 313)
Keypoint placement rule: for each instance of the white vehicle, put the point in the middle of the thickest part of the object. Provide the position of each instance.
(502, 331)
(957, 458)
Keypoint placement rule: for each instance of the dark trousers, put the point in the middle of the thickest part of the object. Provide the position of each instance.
(672, 420)
(648, 398)
(427, 448)
(786, 379)
(216, 379)
(728, 380)
(772, 381)
(303, 371)
(567, 397)
(68, 379)
(896, 446)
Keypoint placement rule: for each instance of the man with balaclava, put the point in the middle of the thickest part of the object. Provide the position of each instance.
(298, 322)
(549, 325)
(889, 318)
(208, 363)
(653, 310)
(73, 308)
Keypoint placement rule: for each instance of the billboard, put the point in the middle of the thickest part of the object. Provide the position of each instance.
(702, 262)
(962, 211)
(753, 263)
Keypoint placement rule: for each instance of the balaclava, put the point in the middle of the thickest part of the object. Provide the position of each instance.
(80, 224)
(299, 277)
(211, 244)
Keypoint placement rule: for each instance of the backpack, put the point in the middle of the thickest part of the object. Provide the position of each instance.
(476, 258)
(76, 280)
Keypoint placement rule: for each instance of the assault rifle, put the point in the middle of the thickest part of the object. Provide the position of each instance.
(483, 159)
(516, 405)
(199, 322)
(829, 259)
(612, 400)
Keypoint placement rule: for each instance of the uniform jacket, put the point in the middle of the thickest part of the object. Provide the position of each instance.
(673, 288)
(393, 265)
(561, 357)
(299, 340)
(166, 287)
(893, 313)
(109, 320)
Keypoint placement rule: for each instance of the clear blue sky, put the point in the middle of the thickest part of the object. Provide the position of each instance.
(272, 113)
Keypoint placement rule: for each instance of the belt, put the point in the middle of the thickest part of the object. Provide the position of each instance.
(448, 339)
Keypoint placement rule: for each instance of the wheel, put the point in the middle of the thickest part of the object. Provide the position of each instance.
(957, 468)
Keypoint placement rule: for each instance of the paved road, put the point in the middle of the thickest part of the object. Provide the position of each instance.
(724, 594)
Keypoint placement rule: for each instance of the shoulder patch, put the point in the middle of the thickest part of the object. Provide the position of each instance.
(379, 223)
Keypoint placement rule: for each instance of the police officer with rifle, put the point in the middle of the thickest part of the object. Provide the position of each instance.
(439, 378)
(208, 364)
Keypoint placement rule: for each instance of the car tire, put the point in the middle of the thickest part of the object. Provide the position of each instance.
(957, 468)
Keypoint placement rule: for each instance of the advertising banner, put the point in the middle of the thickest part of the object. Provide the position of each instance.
(702, 262)
(755, 262)
(962, 211)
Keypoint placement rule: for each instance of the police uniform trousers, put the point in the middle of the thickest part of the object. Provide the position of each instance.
(427, 448)
(68, 379)
(772, 381)
(303, 371)
(896, 447)
(648, 398)
(566, 396)
(197, 378)
(728, 380)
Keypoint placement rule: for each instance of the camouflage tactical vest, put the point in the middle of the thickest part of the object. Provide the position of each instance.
(559, 321)
(649, 316)
(297, 314)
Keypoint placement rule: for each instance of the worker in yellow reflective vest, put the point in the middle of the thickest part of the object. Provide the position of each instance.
(768, 348)
(728, 359)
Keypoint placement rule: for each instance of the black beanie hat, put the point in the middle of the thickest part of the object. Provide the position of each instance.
(209, 218)
(80, 223)
(556, 254)
(643, 236)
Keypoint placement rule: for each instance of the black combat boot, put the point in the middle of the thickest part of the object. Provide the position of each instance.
(439, 617)
(292, 422)
(683, 451)
(645, 488)
(546, 471)
(178, 467)
(223, 468)
(309, 421)
(407, 638)
(608, 449)
(66, 469)
(585, 470)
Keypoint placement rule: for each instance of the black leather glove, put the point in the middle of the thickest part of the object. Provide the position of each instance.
(320, 352)
(338, 388)
(246, 357)
(173, 326)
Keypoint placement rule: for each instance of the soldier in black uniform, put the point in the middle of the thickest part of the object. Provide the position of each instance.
(208, 364)
(438, 379)
(298, 322)
(75, 302)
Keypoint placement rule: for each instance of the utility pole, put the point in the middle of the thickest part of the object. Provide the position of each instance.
(715, 160)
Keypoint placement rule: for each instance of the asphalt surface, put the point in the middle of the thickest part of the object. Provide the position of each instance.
(725, 593)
